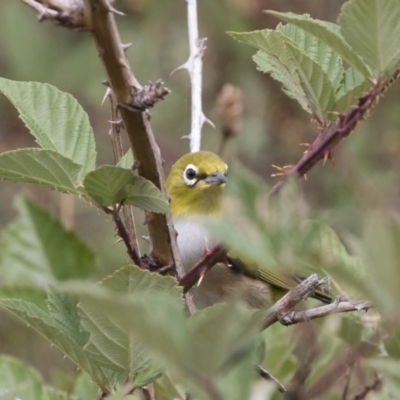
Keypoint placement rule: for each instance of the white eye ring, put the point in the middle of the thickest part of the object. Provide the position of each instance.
(190, 174)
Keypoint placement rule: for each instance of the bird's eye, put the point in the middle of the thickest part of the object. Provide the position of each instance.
(190, 174)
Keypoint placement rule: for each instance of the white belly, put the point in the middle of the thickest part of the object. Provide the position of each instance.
(193, 241)
(220, 283)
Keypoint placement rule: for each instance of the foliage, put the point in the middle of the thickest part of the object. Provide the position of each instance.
(131, 328)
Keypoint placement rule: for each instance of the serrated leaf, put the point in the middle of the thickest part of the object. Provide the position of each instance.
(127, 160)
(45, 168)
(109, 185)
(329, 60)
(43, 323)
(352, 87)
(293, 62)
(55, 119)
(327, 33)
(110, 344)
(372, 28)
(319, 90)
(291, 84)
(37, 250)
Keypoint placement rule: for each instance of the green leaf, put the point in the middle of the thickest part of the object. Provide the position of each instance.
(381, 253)
(45, 168)
(55, 119)
(55, 332)
(315, 83)
(227, 331)
(20, 381)
(291, 85)
(37, 250)
(329, 60)
(303, 78)
(353, 86)
(127, 160)
(85, 388)
(275, 60)
(372, 28)
(110, 343)
(327, 33)
(109, 185)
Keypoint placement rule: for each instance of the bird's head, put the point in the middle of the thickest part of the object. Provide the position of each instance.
(196, 184)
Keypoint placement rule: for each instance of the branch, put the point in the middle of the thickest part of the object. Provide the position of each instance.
(123, 234)
(194, 65)
(101, 25)
(196, 274)
(330, 136)
(115, 132)
(269, 377)
(68, 13)
(283, 310)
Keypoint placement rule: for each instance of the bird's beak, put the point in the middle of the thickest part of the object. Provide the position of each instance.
(216, 179)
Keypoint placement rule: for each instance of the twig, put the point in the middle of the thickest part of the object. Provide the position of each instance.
(306, 352)
(283, 310)
(330, 377)
(123, 234)
(68, 13)
(118, 154)
(202, 267)
(330, 136)
(269, 377)
(194, 66)
(290, 300)
(369, 388)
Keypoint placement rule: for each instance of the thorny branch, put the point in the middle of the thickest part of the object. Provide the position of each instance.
(194, 66)
(123, 234)
(115, 132)
(283, 310)
(196, 274)
(330, 136)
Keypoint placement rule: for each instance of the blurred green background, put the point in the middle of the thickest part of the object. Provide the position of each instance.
(272, 127)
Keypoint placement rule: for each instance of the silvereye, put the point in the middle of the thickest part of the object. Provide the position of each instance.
(196, 185)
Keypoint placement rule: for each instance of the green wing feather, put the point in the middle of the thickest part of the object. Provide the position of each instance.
(280, 282)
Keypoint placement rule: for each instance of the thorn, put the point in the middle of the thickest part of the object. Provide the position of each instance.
(208, 121)
(186, 137)
(202, 275)
(108, 93)
(118, 122)
(305, 177)
(113, 10)
(328, 156)
(126, 46)
(308, 145)
(105, 83)
(146, 238)
(206, 248)
(281, 170)
(180, 68)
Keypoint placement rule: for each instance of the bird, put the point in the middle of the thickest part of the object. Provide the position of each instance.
(195, 186)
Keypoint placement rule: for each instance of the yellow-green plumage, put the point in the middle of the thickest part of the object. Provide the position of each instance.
(196, 186)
